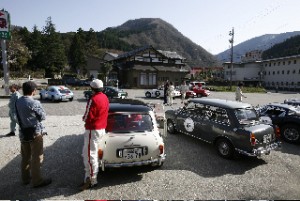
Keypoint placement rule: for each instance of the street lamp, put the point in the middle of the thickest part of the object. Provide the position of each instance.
(231, 33)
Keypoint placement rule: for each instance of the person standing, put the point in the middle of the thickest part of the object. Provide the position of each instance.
(171, 93)
(30, 114)
(166, 87)
(15, 95)
(95, 118)
(239, 93)
(183, 89)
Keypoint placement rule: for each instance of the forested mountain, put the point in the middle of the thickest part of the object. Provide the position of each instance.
(263, 43)
(158, 33)
(287, 48)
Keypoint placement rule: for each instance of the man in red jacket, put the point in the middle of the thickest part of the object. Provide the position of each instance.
(95, 118)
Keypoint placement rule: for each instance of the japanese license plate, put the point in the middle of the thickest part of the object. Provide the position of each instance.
(267, 138)
(133, 153)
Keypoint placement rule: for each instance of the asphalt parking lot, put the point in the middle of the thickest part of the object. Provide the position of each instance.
(192, 170)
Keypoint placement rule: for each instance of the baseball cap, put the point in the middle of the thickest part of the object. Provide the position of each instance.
(96, 84)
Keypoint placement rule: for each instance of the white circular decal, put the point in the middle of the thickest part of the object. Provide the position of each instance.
(189, 124)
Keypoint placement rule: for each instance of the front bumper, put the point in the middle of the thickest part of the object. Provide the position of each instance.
(153, 161)
(261, 150)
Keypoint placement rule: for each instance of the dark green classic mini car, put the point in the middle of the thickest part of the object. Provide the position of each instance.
(233, 127)
(111, 92)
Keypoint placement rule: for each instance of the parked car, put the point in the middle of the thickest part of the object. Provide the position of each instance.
(190, 94)
(56, 93)
(292, 101)
(201, 92)
(233, 127)
(111, 92)
(287, 117)
(159, 93)
(133, 137)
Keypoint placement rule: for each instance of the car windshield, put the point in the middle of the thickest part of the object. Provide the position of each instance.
(64, 91)
(129, 122)
(246, 115)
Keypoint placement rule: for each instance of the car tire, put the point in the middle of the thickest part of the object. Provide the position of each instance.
(157, 93)
(290, 133)
(171, 127)
(52, 98)
(41, 97)
(71, 99)
(148, 94)
(225, 148)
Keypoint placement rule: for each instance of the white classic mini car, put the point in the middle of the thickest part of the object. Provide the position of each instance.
(57, 93)
(132, 138)
(159, 93)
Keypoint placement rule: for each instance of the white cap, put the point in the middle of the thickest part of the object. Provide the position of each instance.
(96, 84)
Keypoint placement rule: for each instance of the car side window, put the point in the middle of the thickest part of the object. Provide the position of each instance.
(218, 115)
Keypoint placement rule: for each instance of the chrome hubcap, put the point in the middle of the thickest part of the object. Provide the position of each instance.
(291, 134)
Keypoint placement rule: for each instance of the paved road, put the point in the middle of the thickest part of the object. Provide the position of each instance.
(192, 170)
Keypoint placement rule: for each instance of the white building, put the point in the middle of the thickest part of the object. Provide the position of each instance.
(282, 73)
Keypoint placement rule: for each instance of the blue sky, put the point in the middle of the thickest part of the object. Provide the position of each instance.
(206, 22)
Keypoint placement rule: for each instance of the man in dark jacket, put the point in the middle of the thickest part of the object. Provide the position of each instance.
(95, 119)
(30, 113)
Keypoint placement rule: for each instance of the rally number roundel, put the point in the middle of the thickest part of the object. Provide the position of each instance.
(189, 124)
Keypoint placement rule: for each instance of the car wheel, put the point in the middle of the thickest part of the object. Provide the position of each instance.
(171, 127)
(291, 133)
(71, 99)
(41, 97)
(157, 93)
(52, 98)
(199, 95)
(148, 94)
(225, 148)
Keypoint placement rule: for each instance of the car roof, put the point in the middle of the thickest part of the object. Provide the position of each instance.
(128, 105)
(221, 103)
(283, 105)
(121, 107)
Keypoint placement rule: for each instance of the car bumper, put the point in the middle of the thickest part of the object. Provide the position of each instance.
(153, 161)
(261, 150)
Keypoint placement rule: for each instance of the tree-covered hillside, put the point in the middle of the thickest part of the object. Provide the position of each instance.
(289, 47)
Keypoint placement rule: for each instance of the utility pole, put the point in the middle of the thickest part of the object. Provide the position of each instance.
(231, 33)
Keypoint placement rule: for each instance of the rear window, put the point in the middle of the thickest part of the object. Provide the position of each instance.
(64, 91)
(129, 122)
(246, 116)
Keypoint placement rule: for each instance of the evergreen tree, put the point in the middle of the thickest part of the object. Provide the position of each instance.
(77, 58)
(91, 42)
(35, 45)
(54, 58)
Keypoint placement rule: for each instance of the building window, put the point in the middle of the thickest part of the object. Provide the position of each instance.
(278, 72)
(292, 83)
(269, 72)
(266, 65)
(288, 72)
(269, 64)
(289, 62)
(287, 83)
(283, 63)
(273, 72)
(152, 78)
(295, 61)
(279, 63)
(143, 79)
(282, 72)
(294, 71)
(281, 83)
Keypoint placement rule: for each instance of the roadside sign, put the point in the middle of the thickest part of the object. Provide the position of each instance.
(5, 25)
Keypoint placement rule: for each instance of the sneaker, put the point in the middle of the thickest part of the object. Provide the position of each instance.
(45, 182)
(10, 134)
(87, 185)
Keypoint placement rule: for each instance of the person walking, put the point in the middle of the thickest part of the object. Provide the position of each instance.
(239, 93)
(183, 89)
(30, 115)
(15, 95)
(95, 118)
(171, 93)
(166, 87)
